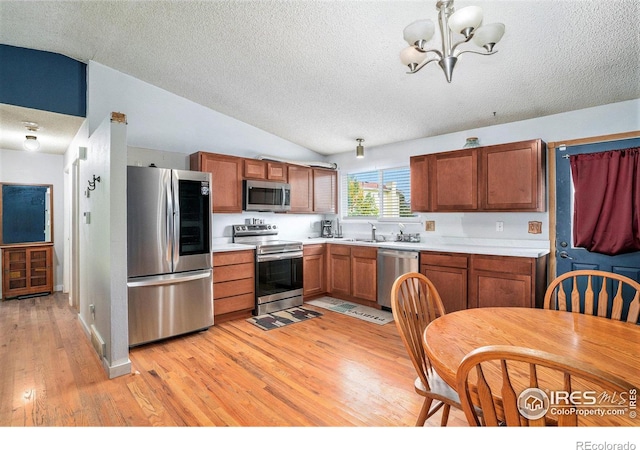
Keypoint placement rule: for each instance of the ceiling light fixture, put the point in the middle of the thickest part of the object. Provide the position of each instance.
(465, 21)
(31, 142)
(360, 148)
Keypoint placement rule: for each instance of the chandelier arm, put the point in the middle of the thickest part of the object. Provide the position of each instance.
(422, 64)
(429, 50)
(455, 46)
(477, 53)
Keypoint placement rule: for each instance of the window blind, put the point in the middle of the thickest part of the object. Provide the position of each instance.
(377, 194)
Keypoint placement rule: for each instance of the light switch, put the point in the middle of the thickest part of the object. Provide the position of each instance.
(499, 226)
(87, 217)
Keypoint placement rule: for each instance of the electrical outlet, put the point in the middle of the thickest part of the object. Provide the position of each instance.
(430, 225)
(499, 226)
(535, 227)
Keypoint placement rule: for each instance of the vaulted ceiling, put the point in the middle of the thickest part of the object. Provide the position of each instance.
(323, 73)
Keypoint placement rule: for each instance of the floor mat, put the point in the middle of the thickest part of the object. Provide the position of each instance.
(361, 312)
(283, 318)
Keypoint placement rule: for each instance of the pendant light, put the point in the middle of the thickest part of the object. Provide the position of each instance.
(360, 148)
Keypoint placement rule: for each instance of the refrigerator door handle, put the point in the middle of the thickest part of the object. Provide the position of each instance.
(176, 218)
(169, 223)
(176, 278)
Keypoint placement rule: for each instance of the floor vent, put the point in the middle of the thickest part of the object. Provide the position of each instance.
(98, 344)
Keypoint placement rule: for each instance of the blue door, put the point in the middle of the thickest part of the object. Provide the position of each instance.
(572, 258)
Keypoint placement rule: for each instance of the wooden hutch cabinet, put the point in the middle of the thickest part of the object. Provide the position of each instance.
(27, 270)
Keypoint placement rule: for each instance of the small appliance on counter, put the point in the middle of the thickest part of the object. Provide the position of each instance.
(408, 237)
(327, 229)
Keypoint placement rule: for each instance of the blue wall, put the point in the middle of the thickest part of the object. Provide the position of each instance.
(42, 80)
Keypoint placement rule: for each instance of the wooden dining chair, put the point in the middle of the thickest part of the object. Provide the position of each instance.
(415, 302)
(503, 373)
(595, 292)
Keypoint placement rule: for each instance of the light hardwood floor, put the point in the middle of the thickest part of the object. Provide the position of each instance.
(329, 371)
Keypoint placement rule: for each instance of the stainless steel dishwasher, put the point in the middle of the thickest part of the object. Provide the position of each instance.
(391, 264)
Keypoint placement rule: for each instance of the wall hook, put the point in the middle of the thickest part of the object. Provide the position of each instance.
(92, 183)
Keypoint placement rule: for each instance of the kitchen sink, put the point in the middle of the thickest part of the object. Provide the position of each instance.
(364, 240)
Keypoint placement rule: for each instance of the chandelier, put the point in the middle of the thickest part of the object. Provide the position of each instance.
(466, 21)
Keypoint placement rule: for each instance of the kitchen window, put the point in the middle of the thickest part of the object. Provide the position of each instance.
(377, 194)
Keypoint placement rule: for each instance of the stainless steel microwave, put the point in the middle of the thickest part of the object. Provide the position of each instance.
(266, 196)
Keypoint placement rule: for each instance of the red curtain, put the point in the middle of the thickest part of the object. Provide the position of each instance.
(606, 216)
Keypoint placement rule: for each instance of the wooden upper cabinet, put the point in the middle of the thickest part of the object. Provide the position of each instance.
(301, 181)
(512, 177)
(454, 185)
(420, 198)
(325, 191)
(505, 177)
(257, 169)
(226, 179)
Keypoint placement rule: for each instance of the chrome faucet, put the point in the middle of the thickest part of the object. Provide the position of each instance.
(373, 231)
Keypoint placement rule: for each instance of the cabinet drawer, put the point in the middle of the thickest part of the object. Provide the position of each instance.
(314, 249)
(340, 250)
(237, 257)
(231, 288)
(233, 272)
(444, 259)
(364, 252)
(232, 304)
(505, 264)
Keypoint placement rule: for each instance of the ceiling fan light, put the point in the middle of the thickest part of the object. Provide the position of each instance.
(31, 143)
(489, 35)
(420, 30)
(464, 18)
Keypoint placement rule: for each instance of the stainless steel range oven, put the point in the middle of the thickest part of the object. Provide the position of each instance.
(278, 267)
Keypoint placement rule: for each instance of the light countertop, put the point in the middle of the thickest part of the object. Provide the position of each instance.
(471, 247)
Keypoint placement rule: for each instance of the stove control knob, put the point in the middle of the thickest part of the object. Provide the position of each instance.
(274, 227)
(268, 227)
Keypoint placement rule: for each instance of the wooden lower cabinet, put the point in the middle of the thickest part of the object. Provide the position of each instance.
(353, 272)
(233, 284)
(314, 270)
(364, 273)
(27, 270)
(476, 281)
(506, 281)
(448, 273)
(339, 270)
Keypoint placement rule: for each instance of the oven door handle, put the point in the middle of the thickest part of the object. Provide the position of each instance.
(278, 256)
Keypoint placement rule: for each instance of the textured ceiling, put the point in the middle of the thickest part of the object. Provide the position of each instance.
(323, 73)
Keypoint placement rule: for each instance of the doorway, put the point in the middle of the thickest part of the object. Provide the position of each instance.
(564, 255)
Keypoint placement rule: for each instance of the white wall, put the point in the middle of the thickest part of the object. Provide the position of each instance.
(103, 244)
(40, 168)
(160, 120)
(609, 119)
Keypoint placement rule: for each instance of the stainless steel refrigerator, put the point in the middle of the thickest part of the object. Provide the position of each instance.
(169, 265)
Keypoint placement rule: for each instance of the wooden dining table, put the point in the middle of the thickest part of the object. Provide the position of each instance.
(610, 345)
